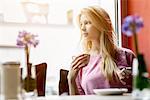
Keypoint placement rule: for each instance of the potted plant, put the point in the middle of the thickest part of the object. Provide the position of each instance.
(132, 24)
(26, 39)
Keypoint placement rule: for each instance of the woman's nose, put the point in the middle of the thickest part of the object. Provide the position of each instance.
(83, 28)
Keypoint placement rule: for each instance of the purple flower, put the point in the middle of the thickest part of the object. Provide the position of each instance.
(132, 24)
(27, 39)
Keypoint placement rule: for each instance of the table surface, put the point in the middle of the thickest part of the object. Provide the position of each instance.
(88, 97)
(84, 97)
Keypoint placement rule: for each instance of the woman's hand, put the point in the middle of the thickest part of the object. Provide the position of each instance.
(78, 63)
(124, 74)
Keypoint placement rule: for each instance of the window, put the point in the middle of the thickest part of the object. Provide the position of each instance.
(57, 34)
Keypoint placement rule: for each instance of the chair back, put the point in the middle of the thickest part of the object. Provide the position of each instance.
(41, 78)
(63, 82)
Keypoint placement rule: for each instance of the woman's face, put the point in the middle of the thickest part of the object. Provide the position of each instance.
(88, 30)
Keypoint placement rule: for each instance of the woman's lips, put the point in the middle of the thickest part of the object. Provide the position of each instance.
(85, 34)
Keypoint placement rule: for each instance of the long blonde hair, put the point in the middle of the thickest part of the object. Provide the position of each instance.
(101, 20)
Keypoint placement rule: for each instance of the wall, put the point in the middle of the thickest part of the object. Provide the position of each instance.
(139, 7)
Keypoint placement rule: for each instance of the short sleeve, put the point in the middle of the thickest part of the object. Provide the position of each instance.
(125, 60)
(129, 57)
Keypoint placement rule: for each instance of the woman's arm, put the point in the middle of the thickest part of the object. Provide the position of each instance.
(73, 90)
(78, 63)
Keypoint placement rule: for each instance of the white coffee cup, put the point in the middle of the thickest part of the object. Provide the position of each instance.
(10, 80)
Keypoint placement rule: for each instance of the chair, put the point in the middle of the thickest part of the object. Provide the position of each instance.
(63, 82)
(41, 78)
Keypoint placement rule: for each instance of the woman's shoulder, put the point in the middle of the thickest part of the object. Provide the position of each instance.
(124, 57)
(127, 51)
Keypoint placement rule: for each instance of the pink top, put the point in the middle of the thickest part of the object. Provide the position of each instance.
(91, 77)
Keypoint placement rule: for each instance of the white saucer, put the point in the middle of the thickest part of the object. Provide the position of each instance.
(110, 91)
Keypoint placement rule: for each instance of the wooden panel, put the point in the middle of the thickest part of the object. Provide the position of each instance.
(140, 7)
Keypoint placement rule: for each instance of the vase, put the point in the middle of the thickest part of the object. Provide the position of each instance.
(29, 82)
(140, 77)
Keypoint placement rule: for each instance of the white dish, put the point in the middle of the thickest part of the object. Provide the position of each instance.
(110, 91)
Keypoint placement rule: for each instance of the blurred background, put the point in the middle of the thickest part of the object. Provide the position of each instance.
(59, 37)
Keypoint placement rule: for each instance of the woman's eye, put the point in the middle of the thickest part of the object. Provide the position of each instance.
(87, 22)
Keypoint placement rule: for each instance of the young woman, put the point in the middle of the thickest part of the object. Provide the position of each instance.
(103, 65)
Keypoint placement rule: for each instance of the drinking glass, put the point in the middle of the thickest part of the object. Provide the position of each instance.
(11, 59)
(10, 81)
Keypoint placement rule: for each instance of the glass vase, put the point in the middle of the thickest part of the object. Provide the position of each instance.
(141, 83)
(29, 88)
